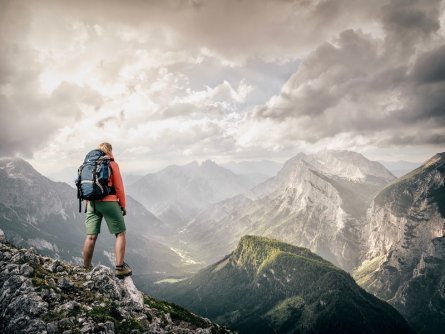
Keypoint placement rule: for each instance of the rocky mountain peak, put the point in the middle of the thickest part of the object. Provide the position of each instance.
(434, 161)
(17, 168)
(43, 295)
(349, 165)
(209, 162)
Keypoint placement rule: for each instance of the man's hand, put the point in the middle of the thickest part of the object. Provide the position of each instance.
(124, 212)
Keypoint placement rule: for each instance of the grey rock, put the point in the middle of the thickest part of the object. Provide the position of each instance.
(109, 326)
(68, 306)
(53, 267)
(65, 322)
(19, 258)
(13, 268)
(49, 295)
(52, 327)
(51, 281)
(23, 305)
(26, 270)
(89, 285)
(88, 328)
(65, 283)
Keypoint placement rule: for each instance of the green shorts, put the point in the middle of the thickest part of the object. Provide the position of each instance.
(112, 213)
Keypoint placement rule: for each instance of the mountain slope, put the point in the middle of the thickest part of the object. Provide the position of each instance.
(43, 295)
(176, 193)
(266, 286)
(35, 211)
(315, 201)
(259, 171)
(405, 262)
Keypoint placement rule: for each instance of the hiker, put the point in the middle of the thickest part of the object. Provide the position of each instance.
(112, 208)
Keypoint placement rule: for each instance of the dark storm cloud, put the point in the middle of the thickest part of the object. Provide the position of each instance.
(430, 66)
(362, 85)
(411, 19)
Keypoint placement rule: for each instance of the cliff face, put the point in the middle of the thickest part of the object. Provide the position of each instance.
(39, 294)
(405, 243)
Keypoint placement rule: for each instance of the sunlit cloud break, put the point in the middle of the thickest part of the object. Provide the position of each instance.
(173, 81)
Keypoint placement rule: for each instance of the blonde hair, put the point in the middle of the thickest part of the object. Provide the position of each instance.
(106, 148)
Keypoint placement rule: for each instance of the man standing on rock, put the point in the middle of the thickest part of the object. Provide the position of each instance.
(112, 208)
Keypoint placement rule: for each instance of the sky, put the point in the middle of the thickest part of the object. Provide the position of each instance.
(170, 81)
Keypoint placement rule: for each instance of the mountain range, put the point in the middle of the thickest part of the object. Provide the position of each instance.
(316, 201)
(266, 286)
(177, 193)
(37, 212)
(350, 211)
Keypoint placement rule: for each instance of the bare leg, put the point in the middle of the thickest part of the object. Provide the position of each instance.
(88, 249)
(119, 248)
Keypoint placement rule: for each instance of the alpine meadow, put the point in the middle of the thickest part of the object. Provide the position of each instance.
(222, 166)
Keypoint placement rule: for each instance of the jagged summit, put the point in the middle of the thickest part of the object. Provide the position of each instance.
(430, 175)
(43, 295)
(17, 168)
(350, 165)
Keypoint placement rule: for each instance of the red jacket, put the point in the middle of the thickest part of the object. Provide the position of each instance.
(116, 182)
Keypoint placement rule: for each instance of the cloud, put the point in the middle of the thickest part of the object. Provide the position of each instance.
(430, 66)
(178, 79)
(363, 85)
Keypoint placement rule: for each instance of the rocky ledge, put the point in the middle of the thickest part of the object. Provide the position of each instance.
(43, 295)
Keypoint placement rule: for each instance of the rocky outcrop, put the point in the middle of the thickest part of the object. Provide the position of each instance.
(42, 295)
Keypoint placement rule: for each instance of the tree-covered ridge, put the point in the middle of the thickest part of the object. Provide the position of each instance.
(267, 286)
(259, 253)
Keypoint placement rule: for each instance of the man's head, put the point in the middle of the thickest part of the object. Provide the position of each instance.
(106, 148)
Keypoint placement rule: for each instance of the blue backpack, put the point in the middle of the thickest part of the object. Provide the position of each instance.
(93, 176)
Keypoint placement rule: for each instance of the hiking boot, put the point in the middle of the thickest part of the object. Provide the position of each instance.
(123, 271)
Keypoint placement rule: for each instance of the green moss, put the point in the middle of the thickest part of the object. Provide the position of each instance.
(105, 313)
(129, 325)
(56, 316)
(176, 312)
